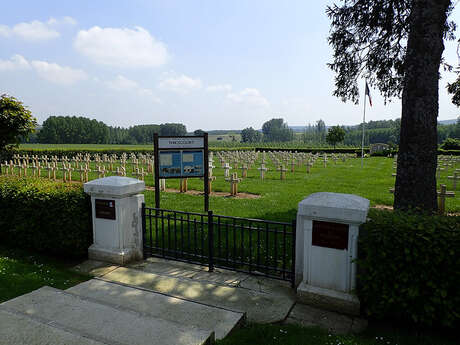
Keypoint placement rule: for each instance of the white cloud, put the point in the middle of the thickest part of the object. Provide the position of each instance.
(17, 62)
(58, 74)
(250, 97)
(36, 30)
(181, 84)
(219, 88)
(121, 83)
(132, 48)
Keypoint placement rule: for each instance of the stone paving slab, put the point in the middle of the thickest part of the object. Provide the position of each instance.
(95, 268)
(259, 307)
(335, 323)
(19, 329)
(161, 306)
(114, 325)
(185, 270)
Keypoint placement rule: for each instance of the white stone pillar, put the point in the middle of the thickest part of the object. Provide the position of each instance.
(326, 247)
(117, 219)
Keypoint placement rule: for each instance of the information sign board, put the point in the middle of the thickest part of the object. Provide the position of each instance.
(181, 157)
(181, 163)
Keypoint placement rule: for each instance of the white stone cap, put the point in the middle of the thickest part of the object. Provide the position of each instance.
(336, 207)
(117, 186)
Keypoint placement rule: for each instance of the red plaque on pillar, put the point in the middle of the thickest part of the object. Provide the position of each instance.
(330, 235)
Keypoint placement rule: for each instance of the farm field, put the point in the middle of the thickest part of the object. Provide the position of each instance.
(276, 199)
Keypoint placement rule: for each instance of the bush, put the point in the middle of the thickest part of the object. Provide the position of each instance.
(450, 144)
(46, 216)
(409, 268)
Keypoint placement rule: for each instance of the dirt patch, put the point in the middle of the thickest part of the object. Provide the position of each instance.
(240, 195)
(383, 207)
(390, 208)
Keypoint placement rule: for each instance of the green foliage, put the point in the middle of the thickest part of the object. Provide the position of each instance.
(454, 90)
(409, 268)
(198, 132)
(46, 216)
(16, 121)
(250, 135)
(335, 135)
(277, 130)
(173, 129)
(73, 130)
(451, 144)
(81, 130)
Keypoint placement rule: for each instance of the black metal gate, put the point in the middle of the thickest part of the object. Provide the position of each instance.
(253, 246)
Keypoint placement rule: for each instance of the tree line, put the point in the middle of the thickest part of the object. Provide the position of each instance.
(382, 131)
(81, 130)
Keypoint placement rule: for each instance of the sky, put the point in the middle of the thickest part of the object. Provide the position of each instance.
(212, 64)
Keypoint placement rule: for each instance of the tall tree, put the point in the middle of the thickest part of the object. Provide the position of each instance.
(320, 131)
(335, 135)
(173, 129)
(16, 121)
(277, 130)
(250, 135)
(397, 46)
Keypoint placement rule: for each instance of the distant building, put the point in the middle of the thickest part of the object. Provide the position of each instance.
(378, 147)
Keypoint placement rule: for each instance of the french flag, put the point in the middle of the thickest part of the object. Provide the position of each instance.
(368, 94)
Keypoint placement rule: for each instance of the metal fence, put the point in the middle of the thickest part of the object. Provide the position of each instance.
(254, 246)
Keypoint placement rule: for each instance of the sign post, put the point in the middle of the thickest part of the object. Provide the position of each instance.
(181, 157)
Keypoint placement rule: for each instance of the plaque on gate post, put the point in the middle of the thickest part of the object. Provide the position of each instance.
(330, 235)
(105, 209)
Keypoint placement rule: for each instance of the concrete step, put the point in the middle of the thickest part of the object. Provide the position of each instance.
(157, 305)
(259, 306)
(104, 322)
(18, 328)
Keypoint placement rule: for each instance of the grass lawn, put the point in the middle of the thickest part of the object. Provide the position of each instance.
(296, 335)
(278, 199)
(22, 272)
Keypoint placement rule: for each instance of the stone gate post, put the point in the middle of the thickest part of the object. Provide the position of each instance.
(326, 247)
(117, 220)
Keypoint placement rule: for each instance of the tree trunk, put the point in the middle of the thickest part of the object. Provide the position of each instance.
(417, 159)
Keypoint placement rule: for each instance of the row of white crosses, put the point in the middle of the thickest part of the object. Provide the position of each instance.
(104, 164)
(81, 163)
(279, 159)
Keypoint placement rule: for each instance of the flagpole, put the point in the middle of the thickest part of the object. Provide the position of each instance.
(364, 121)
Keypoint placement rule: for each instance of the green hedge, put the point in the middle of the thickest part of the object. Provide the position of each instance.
(46, 216)
(353, 150)
(409, 268)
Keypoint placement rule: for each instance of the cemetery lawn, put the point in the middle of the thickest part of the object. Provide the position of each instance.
(273, 198)
(22, 272)
(279, 198)
(256, 334)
